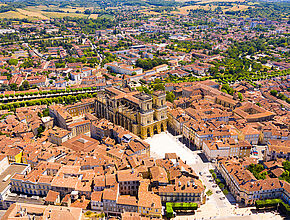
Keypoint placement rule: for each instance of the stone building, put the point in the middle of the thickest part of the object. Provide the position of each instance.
(64, 116)
(140, 113)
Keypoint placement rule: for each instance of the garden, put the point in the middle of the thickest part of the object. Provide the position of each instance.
(171, 207)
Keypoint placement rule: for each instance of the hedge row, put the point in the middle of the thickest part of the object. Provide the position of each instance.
(273, 203)
(171, 206)
(285, 208)
(48, 92)
(70, 99)
(268, 203)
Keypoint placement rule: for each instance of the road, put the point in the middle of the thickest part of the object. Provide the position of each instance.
(202, 168)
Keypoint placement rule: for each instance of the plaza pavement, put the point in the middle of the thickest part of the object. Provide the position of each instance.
(214, 208)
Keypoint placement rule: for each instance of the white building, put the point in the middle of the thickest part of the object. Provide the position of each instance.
(121, 68)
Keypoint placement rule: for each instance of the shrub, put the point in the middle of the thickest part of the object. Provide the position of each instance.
(209, 193)
(179, 206)
(88, 213)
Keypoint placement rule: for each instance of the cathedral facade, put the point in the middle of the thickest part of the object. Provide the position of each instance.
(140, 113)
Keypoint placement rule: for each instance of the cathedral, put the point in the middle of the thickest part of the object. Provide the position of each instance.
(140, 113)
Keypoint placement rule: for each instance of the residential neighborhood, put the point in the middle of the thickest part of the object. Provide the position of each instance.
(144, 110)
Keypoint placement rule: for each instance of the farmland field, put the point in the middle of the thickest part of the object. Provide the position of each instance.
(107, 16)
(148, 12)
(237, 8)
(93, 16)
(185, 10)
(12, 14)
(40, 12)
(32, 14)
(61, 14)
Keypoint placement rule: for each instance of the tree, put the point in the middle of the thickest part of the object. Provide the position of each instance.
(226, 192)
(286, 174)
(170, 97)
(13, 86)
(273, 92)
(227, 89)
(45, 112)
(209, 193)
(13, 62)
(87, 11)
(25, 85)
(258, 171)
(40, 130)
(240, 96)
(158, 86)
(148, 64)
(221, 185)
